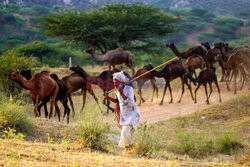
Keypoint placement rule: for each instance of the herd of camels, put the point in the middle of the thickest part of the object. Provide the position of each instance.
(45, 87)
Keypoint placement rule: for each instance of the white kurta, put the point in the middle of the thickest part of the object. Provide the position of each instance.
(129, 116)
(129, 113)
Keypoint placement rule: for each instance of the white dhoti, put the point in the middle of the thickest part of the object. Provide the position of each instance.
(126, 139)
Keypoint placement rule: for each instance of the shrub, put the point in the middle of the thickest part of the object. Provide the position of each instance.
(8, 63)
(228, 143)
(191, 143)
(145, 143)
(92, 129)
(14, 115)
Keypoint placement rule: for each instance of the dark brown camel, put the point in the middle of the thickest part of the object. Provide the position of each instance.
(74, 82)
(104, 81)
(61, 95)
(206, 76)
(169, 73)
(115, 57)
(237, 61)
(40, 86)
(194, 62)
(144, 79)
(197, 50)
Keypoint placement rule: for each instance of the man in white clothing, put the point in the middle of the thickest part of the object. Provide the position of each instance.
(129, 114)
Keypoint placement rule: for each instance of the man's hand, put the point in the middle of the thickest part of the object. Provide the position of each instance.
(105, 95)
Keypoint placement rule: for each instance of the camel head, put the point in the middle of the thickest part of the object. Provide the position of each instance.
(148, 67)
(14, 76)
(219, 45)
(26, 74)
(54, 76)
(90, 50)
(218, 56)
(169, 45)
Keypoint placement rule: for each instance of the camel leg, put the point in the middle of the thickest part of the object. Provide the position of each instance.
(44, 104)
(154, 89)
(57, 110)
(205, 86)
(33, 97)
(66, 109)
(71, 104)
(235, 81)
(223, 75)
(38, 100)
(190, 89)
(183, 89)
(164, 92)
(93, 95)
(211, 89)
(228, 88)
(171, 96)
(195, 92)
(84, 92)
(218, 88)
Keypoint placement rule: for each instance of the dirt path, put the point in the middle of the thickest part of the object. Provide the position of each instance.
(153, 112)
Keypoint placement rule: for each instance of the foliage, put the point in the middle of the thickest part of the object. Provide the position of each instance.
(53, 55)
(109, 27)
(191, 143)
(8, 62)
(11, 134)
(145, 142)
(92, 129)
(14, 115)
(228, 143)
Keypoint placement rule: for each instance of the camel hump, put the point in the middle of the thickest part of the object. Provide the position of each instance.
(119, 49)
(44, 72)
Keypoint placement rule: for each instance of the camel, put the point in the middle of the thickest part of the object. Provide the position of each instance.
(74, 82)
(104, 81)
(169, 73)
(237, 61)
(194, 62)
(206, 76)
(61, 95)
(197, 50)
(40, 86)
(114, 57)
(142, 80)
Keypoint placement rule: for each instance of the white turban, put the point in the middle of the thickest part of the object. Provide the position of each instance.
(120, 76)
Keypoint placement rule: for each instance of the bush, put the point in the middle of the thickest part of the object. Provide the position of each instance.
(8, 63)
(14, 115)
(228, 143)
(92, 129)
(191, 143)
(145, 143)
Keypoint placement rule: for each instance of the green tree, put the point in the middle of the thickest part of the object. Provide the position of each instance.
(111, 26)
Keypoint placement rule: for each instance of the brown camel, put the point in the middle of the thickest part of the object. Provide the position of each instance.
(237, 61)
(103, 80)
(74, 82)
(194, 62)
(142, 80)
(197, 50)
(114, 57)
(169, 73)
(206, 76)
(40, 86)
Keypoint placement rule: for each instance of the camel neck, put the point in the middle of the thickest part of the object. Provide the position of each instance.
(26, 84)
(175, 51)
(97, 57)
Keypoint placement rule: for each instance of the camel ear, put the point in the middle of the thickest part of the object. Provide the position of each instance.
(78, 66)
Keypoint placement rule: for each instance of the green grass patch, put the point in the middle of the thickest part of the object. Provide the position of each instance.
(15, 115)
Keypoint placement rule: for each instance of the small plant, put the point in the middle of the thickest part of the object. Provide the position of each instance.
(191, 143)
(14, 115)
(228, 143)
(11, 134)
(92, 129)
(145, 142)
(50, 139)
